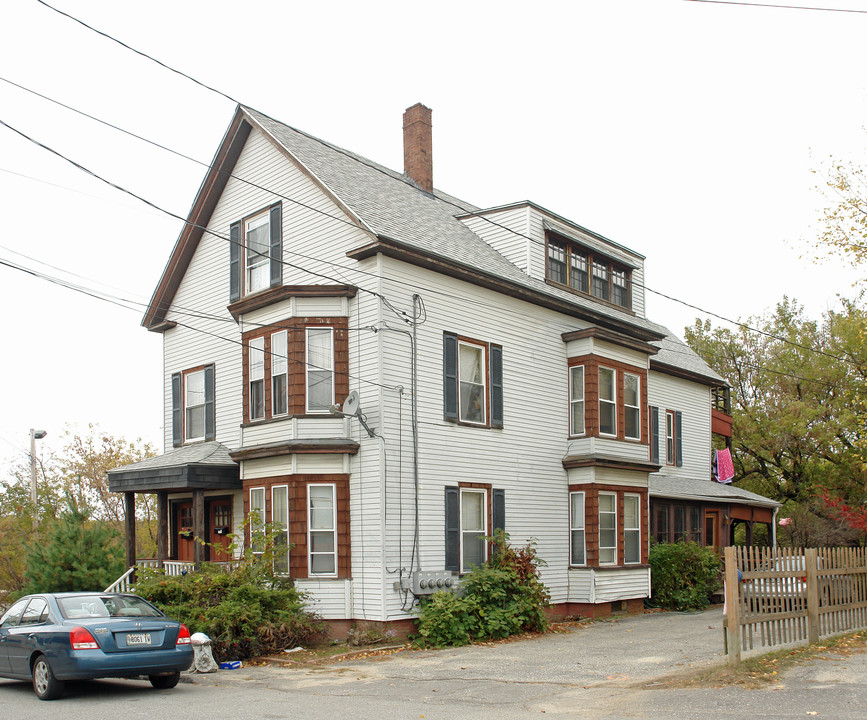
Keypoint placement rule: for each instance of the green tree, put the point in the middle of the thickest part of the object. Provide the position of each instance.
(74, 553)
(843, 232)
(797, 407)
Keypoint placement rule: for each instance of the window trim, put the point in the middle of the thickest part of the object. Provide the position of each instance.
(670, 439)
(284, 360)
(257, 526)
(590, 258)
(573, 402)
(260, 219)
(462, 491)
(612, 401)
(308, 365)
(627, 497)
(256, 358)
(636, 409)
(492, 381)
(186, 375)
(599, 512)
(482, 349)
(284, 530)
(573, 528)
(332, 530)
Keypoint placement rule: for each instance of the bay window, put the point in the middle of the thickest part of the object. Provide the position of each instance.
(322, 530)
(257, 378)
(631, 529)
(607, 528)
(320, 369)
(607, 401)
(280, 524)
(280, 373)
(577, 539)
(632, 406)
(576, 400)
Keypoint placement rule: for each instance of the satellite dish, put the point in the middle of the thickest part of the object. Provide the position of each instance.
(351, 404)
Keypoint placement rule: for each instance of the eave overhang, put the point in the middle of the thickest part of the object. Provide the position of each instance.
(394, 249)
(609, 336)
(285, 292)
(686, 374)
(337, 446)
(608, 461)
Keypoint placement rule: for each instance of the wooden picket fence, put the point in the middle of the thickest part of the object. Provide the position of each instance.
(789, 595)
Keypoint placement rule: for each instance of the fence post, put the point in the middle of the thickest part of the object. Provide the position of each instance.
(733, 607)
(811, 563)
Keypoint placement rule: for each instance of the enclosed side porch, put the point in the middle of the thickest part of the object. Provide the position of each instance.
(195, 487)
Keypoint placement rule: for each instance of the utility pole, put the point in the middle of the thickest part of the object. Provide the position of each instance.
(34, 436)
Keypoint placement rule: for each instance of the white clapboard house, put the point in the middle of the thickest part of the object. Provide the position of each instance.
(387, 374)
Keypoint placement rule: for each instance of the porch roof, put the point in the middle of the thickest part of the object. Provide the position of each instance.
(203, 466)
(705, 491)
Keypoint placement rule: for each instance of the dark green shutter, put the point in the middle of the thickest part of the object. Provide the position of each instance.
(235, 262)
(654, 434)
(210, 415)
(678, 437)
(177, 411)
(499, 509)
(450, 376)
(276, 227)
(453, 529)
(496, 386)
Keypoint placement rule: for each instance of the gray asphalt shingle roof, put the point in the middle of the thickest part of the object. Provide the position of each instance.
(202, 454)
(706, 490)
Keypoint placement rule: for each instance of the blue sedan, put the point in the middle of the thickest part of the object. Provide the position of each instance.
(53, 637)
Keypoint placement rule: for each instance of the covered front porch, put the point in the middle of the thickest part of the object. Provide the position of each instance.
(196, 487)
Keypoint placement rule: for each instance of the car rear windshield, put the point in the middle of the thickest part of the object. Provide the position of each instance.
(102, 606)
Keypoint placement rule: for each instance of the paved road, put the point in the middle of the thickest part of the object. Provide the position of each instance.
(609, 669)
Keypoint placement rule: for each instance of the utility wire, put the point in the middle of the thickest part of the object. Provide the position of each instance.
(780, 7)
(474, 212)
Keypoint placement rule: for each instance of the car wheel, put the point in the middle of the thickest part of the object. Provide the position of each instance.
(164, 682)
(46, 686)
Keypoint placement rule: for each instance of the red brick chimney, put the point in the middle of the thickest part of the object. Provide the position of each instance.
(418, 146)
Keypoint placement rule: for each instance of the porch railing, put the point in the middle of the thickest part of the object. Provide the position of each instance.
(126, 582)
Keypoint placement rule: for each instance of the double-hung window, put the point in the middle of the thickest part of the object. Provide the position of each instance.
(585, 270)
(607, 528)
(577, 540)
(670, 444)
(257, 247)
(320, 369)
(472, 381)
(257, 378)
(257, 519)
(471, 378)
(576, 400)
(194, 405)
(322, 529)
(279, 373)
(607, 401)
(632, 406)
(474, 528)
(280, 524)
(557, 262)
(631, 529)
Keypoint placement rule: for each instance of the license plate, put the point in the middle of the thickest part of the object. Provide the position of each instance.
(138, 639)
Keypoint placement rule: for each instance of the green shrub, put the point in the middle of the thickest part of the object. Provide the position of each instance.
(245, 609)
(683, 575)
(503, 597)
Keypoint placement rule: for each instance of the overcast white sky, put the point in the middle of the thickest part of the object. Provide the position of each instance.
(686, 131)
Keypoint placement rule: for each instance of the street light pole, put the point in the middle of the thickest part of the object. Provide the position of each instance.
(34, 436)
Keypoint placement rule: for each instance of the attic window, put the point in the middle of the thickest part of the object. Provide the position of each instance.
(584, 271)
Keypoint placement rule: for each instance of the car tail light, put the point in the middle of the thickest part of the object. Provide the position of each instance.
(183, 635)
(81, 639)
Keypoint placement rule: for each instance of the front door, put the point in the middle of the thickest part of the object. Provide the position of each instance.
(184, 524)
(220, 523)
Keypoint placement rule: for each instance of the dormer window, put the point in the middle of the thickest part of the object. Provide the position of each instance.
(585, 271)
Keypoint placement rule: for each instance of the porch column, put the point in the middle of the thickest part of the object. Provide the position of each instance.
(750, 525)
(162, 528)
(198, 526)
(129, 527)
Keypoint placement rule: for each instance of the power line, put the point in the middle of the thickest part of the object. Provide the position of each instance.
(474, 212)
(780, 7)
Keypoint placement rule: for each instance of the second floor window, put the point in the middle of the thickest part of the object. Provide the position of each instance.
(320, 369)
(632, 405)
(257, 378)
(193, 416)
(280, 373)
(472, 381)
(607, 401)
(576, 400)
(587, 271)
